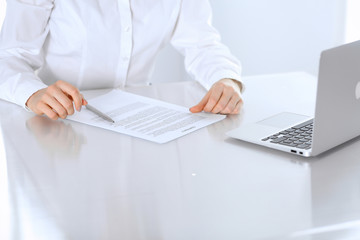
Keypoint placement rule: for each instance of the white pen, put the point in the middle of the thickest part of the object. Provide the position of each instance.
(99, 113)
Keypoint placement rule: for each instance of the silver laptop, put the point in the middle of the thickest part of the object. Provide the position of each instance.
(337, 111)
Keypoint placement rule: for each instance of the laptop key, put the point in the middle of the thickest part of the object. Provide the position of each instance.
(288, 144)
(302, 146)
(278, 140)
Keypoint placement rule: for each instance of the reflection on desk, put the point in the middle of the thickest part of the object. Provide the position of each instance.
(65, 180)
(56, 136)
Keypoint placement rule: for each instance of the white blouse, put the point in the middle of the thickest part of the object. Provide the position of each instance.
(105, 43)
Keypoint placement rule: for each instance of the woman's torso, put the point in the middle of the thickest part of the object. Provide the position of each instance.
(106, 43)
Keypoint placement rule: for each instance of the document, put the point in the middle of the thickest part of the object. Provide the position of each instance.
(143, 117)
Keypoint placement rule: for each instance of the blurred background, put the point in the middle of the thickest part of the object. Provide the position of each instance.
(275, 36)
(271, 36)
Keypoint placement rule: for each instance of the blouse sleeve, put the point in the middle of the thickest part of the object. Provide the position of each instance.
(22, 37)
(207, 60)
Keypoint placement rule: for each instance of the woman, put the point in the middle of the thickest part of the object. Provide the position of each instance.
(52, 49)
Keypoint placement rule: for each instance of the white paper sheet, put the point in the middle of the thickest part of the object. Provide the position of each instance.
(144, 117)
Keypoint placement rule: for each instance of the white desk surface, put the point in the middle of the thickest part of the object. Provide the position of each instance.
(65, 180)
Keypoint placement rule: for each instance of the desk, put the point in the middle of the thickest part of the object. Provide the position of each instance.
(65, 180)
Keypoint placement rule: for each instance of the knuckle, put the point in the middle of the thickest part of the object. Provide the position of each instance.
(51, 88)
(52, 116)
(236, 110)
(44, 98)
(68, 105)
(215, 85)
(62, 113)
(74, 91)
(59, 82)
(217, 108)
(221, 84)
(227, 110)
(207, 109)
(237, 96)
(220, 106)
(212, 101)
(229, 90)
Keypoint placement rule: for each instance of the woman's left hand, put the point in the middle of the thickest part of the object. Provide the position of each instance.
(224, 97)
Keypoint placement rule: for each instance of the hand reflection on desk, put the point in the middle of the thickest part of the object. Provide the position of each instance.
(57, 137)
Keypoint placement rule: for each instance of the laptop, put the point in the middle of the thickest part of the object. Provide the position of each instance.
(337, 110)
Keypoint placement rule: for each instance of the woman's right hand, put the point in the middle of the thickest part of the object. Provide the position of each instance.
(56, 101)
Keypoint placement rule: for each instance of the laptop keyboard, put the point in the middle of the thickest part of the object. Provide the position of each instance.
(299, 136)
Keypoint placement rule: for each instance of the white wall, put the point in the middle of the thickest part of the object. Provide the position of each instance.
(2, 11)
(272, 36)
(352, 32)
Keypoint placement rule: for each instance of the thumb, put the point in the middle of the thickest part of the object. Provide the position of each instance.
(200, 106)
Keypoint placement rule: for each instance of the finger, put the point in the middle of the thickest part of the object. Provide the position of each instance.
(84, 102)
(200, 106)
(213, 99)
(220, 106)
(64, 100)
(72, 91)
(238, 107)
(55, 105)
(48, 111)
(230, 107)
